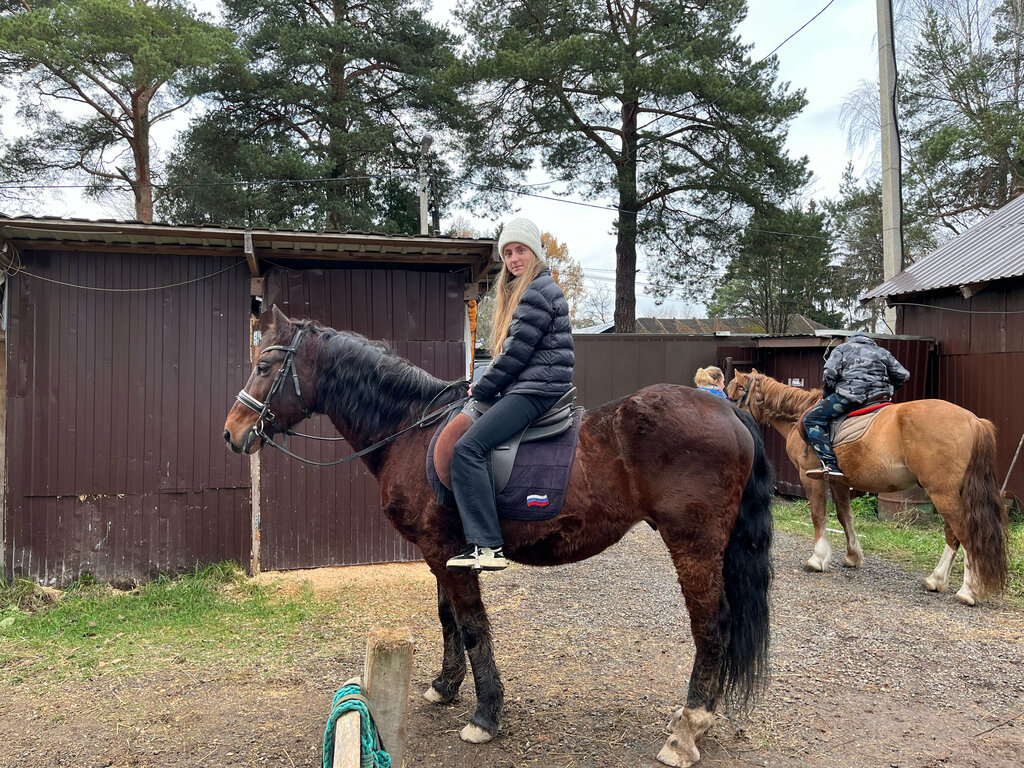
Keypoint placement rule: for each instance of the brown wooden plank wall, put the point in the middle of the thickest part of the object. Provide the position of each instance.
(116, 401)
(315, 516)
(980, 358)
(610, 366)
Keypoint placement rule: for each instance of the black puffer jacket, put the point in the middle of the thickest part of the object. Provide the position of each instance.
(537, 356)
(862, 371)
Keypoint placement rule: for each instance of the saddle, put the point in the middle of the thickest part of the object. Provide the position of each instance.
(538, 482)
(848, 427)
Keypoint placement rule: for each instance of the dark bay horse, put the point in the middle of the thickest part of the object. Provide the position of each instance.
(944, 448)
(690, 464)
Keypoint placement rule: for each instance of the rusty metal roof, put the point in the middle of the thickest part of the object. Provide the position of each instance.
(992, 249)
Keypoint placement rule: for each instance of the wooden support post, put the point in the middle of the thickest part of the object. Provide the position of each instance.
(387, 678)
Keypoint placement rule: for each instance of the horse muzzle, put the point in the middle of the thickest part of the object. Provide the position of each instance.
(249, 443)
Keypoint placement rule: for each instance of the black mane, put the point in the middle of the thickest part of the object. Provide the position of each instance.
(369, 387)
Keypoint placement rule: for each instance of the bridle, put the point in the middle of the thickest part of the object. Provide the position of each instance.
(266, 416)
(748, 391)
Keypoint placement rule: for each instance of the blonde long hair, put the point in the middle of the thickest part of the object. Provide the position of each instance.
(507, 293)
(709, 377)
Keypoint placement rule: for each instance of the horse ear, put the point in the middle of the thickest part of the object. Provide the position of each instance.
(280, 318)
(753, 371)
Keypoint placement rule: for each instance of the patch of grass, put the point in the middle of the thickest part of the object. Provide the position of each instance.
(916, 545)
(210, 615)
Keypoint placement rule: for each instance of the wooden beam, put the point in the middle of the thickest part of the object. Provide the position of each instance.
(346, 741)
(250, 255)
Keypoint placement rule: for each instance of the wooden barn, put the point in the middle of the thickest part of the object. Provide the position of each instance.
(123, 345)
(969, 295)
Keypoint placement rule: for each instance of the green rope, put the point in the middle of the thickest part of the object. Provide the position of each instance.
(371, 751)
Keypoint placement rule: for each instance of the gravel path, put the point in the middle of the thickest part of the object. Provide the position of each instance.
(868, 670)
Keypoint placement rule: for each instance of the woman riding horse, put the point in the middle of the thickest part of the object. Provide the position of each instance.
(532, 342)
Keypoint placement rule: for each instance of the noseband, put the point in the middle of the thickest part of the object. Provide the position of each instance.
(264, 414)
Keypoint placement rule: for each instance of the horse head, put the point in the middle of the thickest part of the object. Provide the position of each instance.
(278, 393)
(742, 390)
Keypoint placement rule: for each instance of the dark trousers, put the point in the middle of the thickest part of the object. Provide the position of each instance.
(818, 422)
(472, 481)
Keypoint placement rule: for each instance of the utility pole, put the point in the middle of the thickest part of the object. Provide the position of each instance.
(425, 143)
(892, 187)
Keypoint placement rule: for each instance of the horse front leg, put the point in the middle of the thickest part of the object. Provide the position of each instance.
(822, 554)
(467, 607)
(841, 496)
(453, 662)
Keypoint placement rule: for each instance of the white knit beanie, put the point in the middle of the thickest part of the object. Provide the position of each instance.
(520, 231)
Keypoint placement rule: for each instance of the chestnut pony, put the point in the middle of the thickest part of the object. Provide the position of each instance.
(942, 447)
(690, 464)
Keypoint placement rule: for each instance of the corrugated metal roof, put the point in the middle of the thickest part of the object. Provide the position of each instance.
(992, 249)
(284, 243)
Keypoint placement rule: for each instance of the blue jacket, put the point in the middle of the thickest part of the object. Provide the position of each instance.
(537, 356)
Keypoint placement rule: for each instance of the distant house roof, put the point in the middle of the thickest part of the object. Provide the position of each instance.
(739, 325)
(993, 249)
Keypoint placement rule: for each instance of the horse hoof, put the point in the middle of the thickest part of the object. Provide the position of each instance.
(678, 754)
(966, 597)
(433, 696)
(474, 734)
(851, 561)
(933, 585)
(814, 564)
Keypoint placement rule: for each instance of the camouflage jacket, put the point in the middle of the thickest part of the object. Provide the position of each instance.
(861, 371)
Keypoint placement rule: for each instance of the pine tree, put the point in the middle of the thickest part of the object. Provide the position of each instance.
(125, 62)
(654, 106)
(336, 92)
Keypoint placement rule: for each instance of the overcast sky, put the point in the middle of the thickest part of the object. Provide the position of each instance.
(828, 59)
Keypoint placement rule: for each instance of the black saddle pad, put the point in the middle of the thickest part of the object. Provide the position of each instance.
(537, 487)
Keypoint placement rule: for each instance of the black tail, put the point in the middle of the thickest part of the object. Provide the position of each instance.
(748, 574)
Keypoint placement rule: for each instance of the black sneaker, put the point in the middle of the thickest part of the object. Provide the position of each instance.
(833, 471)
(476, 558)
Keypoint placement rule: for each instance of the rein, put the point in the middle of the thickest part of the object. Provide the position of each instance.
(265, 416)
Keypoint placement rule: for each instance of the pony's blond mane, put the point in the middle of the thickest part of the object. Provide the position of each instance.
(783, 401)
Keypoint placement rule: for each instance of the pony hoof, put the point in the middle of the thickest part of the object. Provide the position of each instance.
(933, 585)
(966, 597)
(474, 734)
(433, 696)
(678, 754)
(853, 562)
(814, 564)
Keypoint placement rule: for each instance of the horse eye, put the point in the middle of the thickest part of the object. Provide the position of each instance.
(262, 369)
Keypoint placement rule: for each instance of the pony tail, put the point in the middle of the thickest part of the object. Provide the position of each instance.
(985, 520)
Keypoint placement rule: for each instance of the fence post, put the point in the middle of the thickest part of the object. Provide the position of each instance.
(387, 678)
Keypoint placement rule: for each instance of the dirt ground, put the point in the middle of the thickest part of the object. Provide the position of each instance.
(867, 670)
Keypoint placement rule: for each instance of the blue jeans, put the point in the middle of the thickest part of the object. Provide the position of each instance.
(472, 481)
(819, 420)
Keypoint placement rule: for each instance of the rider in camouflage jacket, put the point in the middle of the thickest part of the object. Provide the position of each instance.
(857, 372)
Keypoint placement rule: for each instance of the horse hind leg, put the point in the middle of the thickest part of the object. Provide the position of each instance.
(453, 663)
(938, 580)
(704, 594)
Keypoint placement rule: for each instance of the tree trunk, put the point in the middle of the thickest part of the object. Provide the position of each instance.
(625, 245)
(142, 184)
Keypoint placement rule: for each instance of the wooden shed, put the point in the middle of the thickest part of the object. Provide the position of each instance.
(123, 347)
(969, 295)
